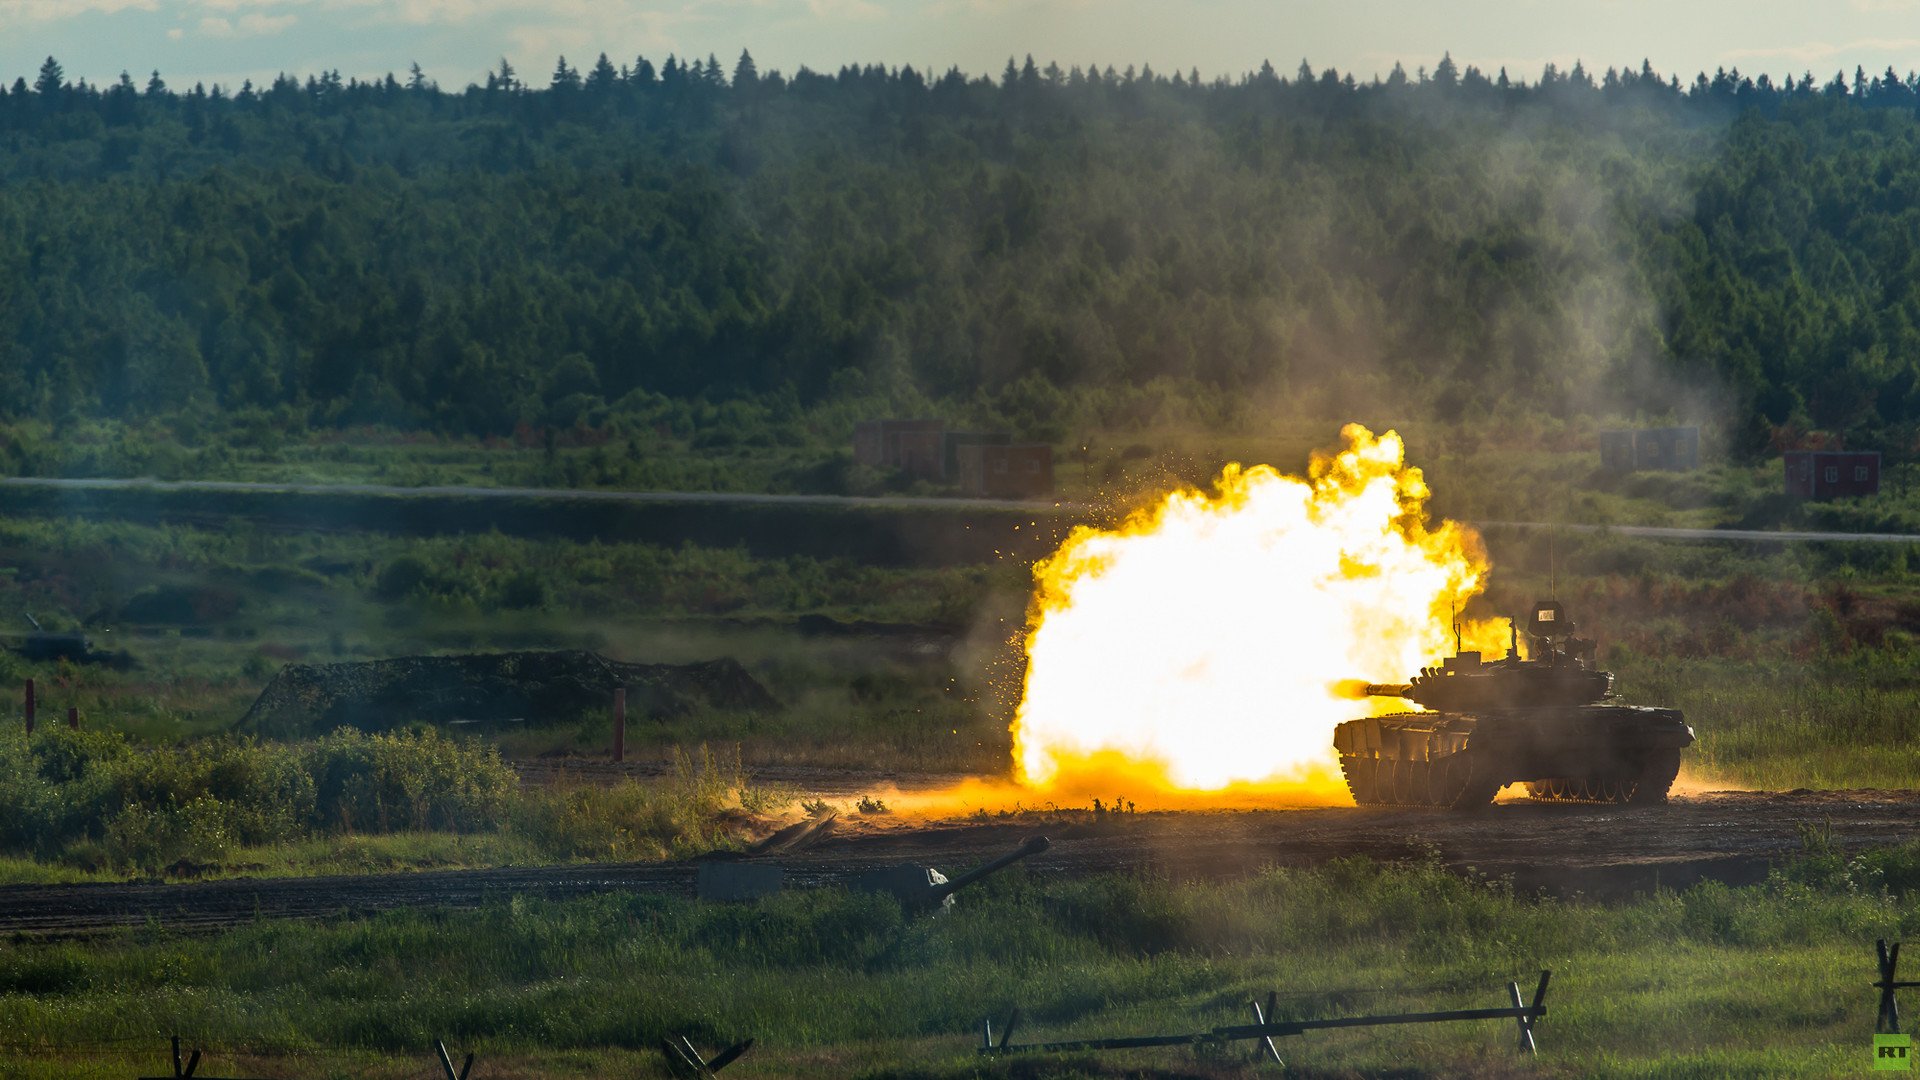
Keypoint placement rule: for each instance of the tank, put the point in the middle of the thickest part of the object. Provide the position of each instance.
(1548, 721)
(47, 646)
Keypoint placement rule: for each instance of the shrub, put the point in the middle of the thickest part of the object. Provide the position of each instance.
(400, 578)
(686, 815)
(151, 808)
(396, 781)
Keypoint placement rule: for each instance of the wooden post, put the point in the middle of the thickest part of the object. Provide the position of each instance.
(29, 706)
(1526, 1029)
(73, 717)
(1263, 1017)
(446, 1062)
(620, 724)
(1889, 1019)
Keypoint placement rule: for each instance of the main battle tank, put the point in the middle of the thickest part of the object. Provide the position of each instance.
(1545, 720)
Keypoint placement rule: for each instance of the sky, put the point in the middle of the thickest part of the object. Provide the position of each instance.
(457, 41)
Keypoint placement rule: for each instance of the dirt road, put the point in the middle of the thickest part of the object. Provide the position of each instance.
(1601, 851)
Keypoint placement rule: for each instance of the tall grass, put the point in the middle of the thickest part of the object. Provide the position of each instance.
(697, 809)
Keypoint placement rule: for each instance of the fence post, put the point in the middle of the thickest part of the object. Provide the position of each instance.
(1889, 1019)
(29, 706)
(73, 717)
(620, 724)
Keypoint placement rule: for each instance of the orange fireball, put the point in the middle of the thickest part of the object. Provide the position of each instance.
(1202, 646)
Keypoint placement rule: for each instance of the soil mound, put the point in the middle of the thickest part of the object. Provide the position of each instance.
(532, 687)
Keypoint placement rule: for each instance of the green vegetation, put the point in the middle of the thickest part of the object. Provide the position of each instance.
(95, 802)
(681, 281)
(833, 982)
(710, 279)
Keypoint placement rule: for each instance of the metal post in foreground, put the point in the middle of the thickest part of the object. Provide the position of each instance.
(684, 1059)
(620, 724)
(29, 706)
(1889, 1019)
(446, 1062)
(185, 1068)
(1266, 1027)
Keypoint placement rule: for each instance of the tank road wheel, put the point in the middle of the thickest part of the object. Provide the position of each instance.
(1409, 783)
(1362, 778)
(1591, 789)
(1551, 790)
(1657, 773)
(1462, 783)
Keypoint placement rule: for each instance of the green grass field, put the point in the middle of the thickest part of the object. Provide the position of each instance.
(1768, 980)
(1794, 664)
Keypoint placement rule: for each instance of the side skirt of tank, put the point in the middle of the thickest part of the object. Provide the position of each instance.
(1425, 763)
(1609, 754)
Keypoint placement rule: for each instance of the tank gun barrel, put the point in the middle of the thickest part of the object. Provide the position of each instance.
(1034, 846)
(1376, 689)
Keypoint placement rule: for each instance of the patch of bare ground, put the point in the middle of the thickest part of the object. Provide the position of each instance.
(1599, 851)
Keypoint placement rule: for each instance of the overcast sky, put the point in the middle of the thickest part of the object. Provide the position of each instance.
(457, 41)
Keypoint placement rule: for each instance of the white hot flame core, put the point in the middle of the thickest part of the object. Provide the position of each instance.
(1200, 645)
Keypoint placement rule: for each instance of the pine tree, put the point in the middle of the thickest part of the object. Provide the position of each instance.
(602, 79)
(52, 81)
(745, 75)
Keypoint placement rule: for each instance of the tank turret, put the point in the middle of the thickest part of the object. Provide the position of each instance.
(1547, 720)
(1560, 672)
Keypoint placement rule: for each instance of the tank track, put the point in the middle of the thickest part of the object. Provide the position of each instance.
(1454, 782)
(1648, 786)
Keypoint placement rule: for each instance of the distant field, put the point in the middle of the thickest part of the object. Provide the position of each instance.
(1536, 469)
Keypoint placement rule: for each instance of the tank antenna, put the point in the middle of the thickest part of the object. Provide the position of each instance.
(1456, 629)
(1553, 573)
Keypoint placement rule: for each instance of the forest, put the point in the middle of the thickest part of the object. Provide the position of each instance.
(620, 243)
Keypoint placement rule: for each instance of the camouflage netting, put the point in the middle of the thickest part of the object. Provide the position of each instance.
(534, 687)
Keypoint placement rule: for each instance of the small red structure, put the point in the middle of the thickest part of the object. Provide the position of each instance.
(1017, 471)
(1832, 474)
(915, 447)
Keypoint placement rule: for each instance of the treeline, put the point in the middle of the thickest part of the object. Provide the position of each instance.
(1085, 241)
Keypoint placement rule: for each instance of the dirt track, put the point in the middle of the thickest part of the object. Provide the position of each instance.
(1602, 851)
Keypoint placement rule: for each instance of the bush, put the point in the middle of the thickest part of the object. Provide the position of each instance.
(153, 840)
(686, 815)
(393, 782)
(61, 790)
(400, 578)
